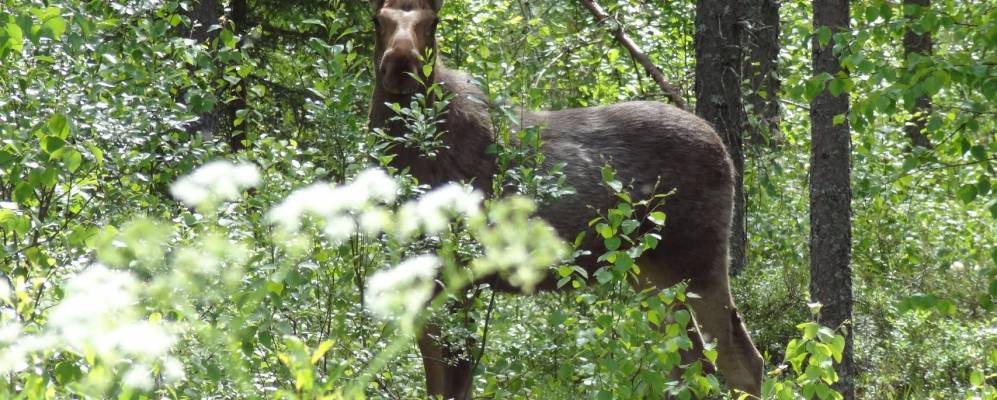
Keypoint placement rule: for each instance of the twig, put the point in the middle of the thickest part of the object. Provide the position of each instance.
(621, 36)
(484, 336)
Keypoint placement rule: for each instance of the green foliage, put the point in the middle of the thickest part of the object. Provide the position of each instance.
(107, 104)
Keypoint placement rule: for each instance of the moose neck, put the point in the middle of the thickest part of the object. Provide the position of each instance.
(465, 133)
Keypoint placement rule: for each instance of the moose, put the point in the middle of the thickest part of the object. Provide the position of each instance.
(655, 147)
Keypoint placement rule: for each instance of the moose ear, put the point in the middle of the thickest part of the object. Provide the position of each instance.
(437, 5)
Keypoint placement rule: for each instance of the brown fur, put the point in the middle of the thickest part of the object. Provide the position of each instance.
(646, 142)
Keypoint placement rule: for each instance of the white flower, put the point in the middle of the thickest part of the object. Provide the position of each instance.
(406, 222)
(14, 358)
(5, 291)
(517, 246)
(141, 338)
(92, 297)
(99, 313)
(339, 228)
(403, 290)
(377, 184)
(374, 221)
(335, 204)
(173, 370)
(10, 332)
(215, 181)
(435, 208)
(139, 376)
(957, 266)
(318, 199)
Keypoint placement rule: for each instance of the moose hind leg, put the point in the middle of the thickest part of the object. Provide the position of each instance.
(447, 367)
(738, 359)
(704, 268)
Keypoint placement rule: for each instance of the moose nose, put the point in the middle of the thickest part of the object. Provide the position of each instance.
(399, 61)
(397, 68)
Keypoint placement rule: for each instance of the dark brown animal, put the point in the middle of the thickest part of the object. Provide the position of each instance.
(644, 141)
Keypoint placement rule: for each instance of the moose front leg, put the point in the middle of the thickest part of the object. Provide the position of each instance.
(448, 365)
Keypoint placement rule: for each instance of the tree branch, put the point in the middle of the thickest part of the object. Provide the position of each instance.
(621, 36)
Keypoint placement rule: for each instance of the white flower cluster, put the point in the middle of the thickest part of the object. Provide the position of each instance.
(403, 290)
(362, 206)
(432, 213)
(517, 246)
(97, 316)
(215, 182)
(340, 206)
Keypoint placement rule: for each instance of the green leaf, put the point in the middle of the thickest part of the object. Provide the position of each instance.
(228, 38)
(15, 37)
(682, 317)
(603, 275)
(73, 159)
(657, 217)
(836, 87)
(67, 372)
(321, 350)
(838, 119)
(967, 193)
(52, 144)
(608, 174)
(837, 347)
(58, 125)
(23, 193)
(605, 230)
(629, 226)
(978, 152)
(823, 36)
(612, 243)
(53, 25)
(976, 378)
(810, 330)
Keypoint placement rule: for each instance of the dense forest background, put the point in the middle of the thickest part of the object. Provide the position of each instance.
(105, 105)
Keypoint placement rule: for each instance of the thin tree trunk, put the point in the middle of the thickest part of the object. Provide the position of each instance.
(830, 192)
(920, 44)
(718, 95)
(237, 134)
(203, 14)
(761, 69)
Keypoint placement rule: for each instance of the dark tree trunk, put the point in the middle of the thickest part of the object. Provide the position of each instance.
(761, 69)
(915, 43)
(203, 14)
(830, 192)
(718, 96)
(221, 120)
(237, 134)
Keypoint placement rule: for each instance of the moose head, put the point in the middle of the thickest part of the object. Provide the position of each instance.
(405, 35)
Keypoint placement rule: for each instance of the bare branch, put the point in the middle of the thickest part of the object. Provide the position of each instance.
(621, 36)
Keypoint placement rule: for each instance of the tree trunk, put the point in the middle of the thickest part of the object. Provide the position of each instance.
(237, 134)
(203, 14)
(761, 69)
(718, 95)
(830, 192)
(920, 44)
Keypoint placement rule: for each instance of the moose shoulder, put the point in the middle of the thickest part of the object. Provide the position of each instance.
(654, 147)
